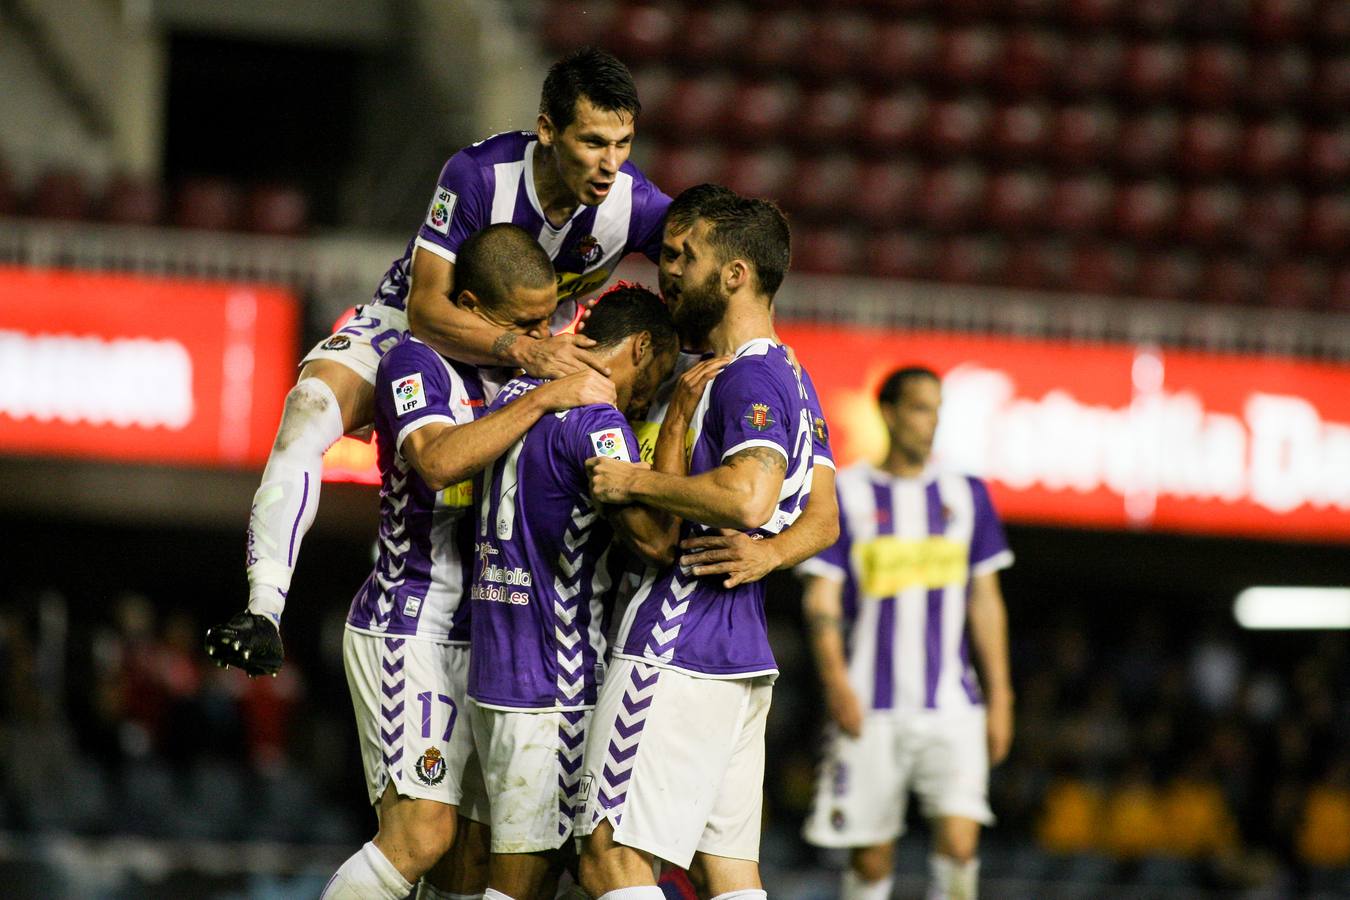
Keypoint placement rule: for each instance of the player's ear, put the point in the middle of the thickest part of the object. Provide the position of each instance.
(468, 300)
(642, 347)
(544, 127)
(736, 274)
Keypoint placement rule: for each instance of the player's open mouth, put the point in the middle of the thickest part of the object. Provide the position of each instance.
(601, 187)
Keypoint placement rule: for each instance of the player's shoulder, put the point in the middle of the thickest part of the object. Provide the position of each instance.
(506, 146)
(762, 363)
(514, 389)
(409, 352)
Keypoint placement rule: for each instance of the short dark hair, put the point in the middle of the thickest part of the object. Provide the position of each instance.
(627, 309)
(591, 73)
(893, 388)
(497, 259)
(754, 230)
(685, 209)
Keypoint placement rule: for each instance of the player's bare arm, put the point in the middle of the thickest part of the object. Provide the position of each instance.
(988, 617)
(743, 559)
(669, 454)
(649, 533)
(459, 334)
(444, 454)
(741, 493)
(823, 605)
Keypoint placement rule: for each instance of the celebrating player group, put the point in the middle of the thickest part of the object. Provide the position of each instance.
(560, 664)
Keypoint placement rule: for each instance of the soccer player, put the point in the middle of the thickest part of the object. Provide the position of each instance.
(571, 186)
(538, 616)
(913, 584)
(674, 760)
(405, 647)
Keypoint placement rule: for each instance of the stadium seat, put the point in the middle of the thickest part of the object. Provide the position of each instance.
(1091, 66)
(825, 114)
(1271, 219)
(1327, 226)
(967, 56)
(968, 259)
(1021, 131)
(133, 201)
(1148, 142)
(1332, 26)
(575, 23)
(827, 251)
(698, 106)
(1271, 149)
(762, 110)
(1338, 290)
(957, 126)
(1082, 135)
(1327, 155)
(1215, 74)
(1144, 210)
(1278, 79)
(678, 166)
(643, 32)
(885, 194)
(1209, 216)
(1294, 284)
(1167, 275)
(778, 42)
(1016, 201)
(1229, 281)
(1153, 69)
(899, 254)
(1080, 204)
(1100, 269)
(892, 122)
(207, 203)
(1093, 13)
(276, 209)
(820, 184)
(712, 32)
(655, 84)
(902, 50)
(61, 194)
(1209, 144)
(1332, 84)
(758, 173)
(1031, 61)
(838, 43)
(1279, 20)
(1035, 265)
(951, 196)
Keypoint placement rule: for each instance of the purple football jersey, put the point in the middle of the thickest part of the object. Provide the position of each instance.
(426, 536)
(492, 181)
(541, 573)
(695, 624)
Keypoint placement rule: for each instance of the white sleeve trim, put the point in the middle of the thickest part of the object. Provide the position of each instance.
(436, 249)
(418, 423)
(1000, 560)
(754, 443)
(822, 460)
(822, 569)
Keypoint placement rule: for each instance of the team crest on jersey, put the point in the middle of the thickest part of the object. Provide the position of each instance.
(430, 767)
(822, 430)
(408, 394)
(442, 208)
(337, 342)
(610, 443)
(759, 416)
(590, 250)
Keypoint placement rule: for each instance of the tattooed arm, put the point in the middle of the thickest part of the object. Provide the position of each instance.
(741, 493)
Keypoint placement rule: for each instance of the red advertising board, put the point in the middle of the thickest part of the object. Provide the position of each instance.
(142, 369)
(1111, 436)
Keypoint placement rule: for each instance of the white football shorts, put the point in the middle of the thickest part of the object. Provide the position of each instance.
(676, 763)
(411, 719)
(864, 783)
(363, 339)
(531, 763)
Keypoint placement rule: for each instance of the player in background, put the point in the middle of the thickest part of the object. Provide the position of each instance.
(894, 608)
(405, 647)
(674, 763)
(539, 616)
(570, 185)
(730, 553)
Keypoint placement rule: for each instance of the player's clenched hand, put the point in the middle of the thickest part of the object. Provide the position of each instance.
(561, 355)
(689, 389)
(999, 727)
(738, 556)
(581, 388)
(612, 479)
(249, 641)
(844, 708)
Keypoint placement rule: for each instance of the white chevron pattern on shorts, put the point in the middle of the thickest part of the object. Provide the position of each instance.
(621, 754)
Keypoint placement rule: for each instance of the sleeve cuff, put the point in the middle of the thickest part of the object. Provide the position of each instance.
(416, 424)
(1000, 560)
(746, 444)
(825, 461)
(436, 249)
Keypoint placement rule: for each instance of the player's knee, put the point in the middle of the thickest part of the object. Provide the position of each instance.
(425, 829)
(310, 406)
(959, 840)
(873, 863)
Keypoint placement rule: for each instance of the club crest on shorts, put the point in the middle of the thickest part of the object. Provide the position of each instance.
(759, 416)
(610, 443)
(408, 394)
(837, 820)
(590, 250)
(337, 342)
(442, 208)
(430, 767)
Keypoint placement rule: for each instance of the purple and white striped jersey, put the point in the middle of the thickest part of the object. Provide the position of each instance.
(694, 624)
(426, 536)
(493, 181)
(542, 572)
(907, 550)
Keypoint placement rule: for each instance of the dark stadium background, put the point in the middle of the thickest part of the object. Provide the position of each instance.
(1192, 168)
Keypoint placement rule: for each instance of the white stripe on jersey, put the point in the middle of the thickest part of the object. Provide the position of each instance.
(956, 496)
(506, 178)
(613, 218)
